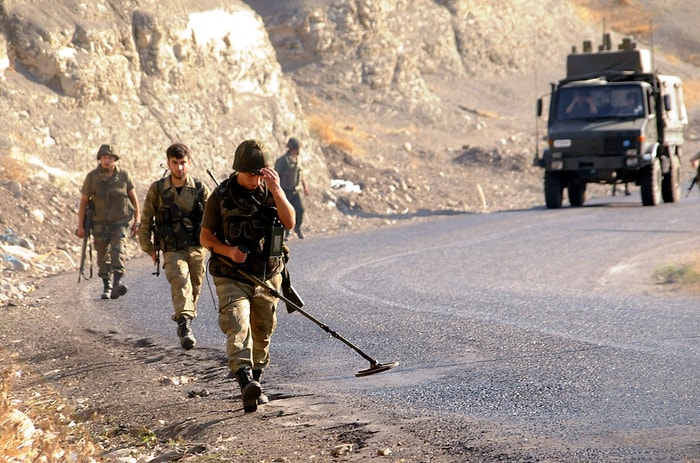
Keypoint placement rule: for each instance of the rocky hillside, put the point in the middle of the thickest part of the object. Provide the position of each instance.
(406, 108)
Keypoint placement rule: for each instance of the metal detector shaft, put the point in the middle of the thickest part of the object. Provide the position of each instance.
(323, 326)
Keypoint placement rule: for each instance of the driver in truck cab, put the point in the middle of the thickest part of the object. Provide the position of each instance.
(581, 105)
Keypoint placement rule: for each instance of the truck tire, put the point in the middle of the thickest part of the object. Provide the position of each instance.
(553, 190)
(671, 183)
(650, 183)
(577, 194)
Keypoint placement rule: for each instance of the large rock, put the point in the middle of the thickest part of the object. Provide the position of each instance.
(142, 75)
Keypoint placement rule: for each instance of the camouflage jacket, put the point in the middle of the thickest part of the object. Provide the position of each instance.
(110, 195)
(170, 220)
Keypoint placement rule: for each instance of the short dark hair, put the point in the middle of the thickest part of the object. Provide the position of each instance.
(178, 151)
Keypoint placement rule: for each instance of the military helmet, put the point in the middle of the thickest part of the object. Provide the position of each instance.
(251, 156)
(108, 149)
(293, 144)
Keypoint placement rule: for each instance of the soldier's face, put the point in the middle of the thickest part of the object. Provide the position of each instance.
(249, 181)
(179, 167)
(107, 161)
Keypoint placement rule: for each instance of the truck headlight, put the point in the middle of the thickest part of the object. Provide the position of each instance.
(632, 162)
(556, 165)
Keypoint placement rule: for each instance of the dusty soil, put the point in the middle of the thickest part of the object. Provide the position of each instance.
(137, 400)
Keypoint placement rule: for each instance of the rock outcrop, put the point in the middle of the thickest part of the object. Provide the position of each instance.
(141, 75)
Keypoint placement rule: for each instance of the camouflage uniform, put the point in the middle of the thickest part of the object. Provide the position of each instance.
(112, 212)
(246, 313)
(292, 181)
(175, 219)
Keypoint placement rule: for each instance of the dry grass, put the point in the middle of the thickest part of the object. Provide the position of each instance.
(37, 426)
(626, 17)
(323, 130)
(12, 169)
(684, 274)
(691, 92)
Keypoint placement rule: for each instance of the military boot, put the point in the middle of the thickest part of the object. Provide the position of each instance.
(184, 332)
(106, 288)
(118, 289)
(250, 389)
(262, 400)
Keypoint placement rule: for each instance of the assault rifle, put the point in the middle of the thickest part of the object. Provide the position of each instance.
(156, 244)
(87, 226)
(154, 230)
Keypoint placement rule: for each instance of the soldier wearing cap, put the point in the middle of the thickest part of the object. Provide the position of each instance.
(109, 191)
(239, 218)
(293, 182)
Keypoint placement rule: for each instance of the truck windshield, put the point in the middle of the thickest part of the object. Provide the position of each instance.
(593, 102)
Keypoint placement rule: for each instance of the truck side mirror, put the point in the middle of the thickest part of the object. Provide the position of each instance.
(539, 107)
(668, 103)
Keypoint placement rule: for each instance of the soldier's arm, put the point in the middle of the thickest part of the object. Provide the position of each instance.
(145, 231)
(137, 210)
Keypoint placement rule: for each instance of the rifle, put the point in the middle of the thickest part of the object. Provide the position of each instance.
(156, 244)
(212, 177)
(87, 225)
(154, 231)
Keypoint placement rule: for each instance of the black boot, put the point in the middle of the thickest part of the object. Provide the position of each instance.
(118, 289)
(106, 288)
(263, 399)
(184, 332)
(250, 389)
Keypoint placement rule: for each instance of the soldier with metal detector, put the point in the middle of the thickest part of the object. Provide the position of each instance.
(243, 227)
(172, 213)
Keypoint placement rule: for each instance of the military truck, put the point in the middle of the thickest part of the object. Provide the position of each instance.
(613, 120)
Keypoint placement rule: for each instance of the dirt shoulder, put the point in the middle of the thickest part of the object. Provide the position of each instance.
(136, 400)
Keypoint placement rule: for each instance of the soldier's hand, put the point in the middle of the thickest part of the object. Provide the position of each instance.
(271, 177)
(238, 255)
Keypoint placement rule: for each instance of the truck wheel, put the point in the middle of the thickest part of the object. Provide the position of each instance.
(553, 190)
(577, 194)
(650, 183)
(671, 183)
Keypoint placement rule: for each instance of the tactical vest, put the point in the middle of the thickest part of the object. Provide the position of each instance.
(289, 171)
(246, 221)
(176, 229)
(110, 196)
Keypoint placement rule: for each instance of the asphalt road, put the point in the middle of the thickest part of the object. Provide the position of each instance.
(542, 321)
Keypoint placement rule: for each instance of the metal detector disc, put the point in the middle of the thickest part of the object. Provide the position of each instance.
(377, 368)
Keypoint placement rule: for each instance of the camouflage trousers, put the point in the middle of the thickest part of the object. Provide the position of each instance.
(247, 317)
(185, 271)
(110, 241)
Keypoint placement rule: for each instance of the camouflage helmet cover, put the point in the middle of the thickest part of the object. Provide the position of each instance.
(251, 156)
(108, 149)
